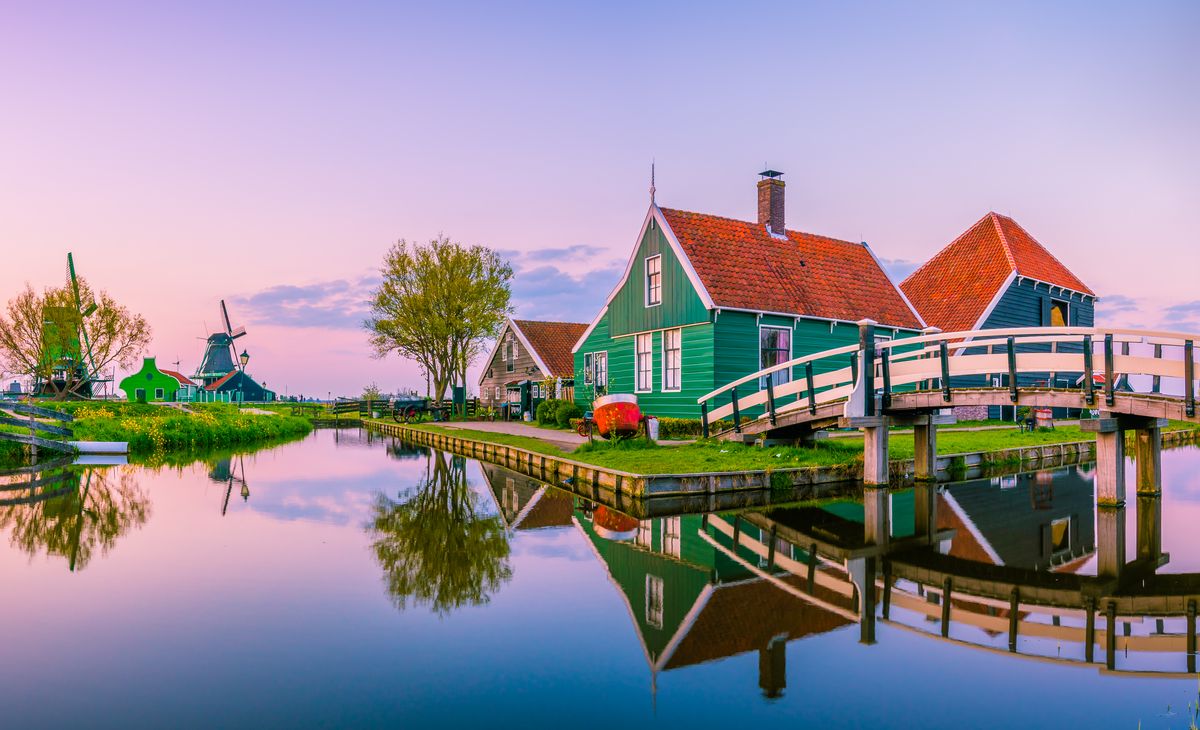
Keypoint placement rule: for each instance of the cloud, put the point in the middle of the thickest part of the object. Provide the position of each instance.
(335, 304)
(564, 283)
(1186, 312)
(899, 269)
(1118, 303)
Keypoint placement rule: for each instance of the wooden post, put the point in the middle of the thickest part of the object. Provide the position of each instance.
(1110, 468)
(866, 343)
(1110, 541)
(704, 419)
(1148, 456)
(1189, 378)
(887, 588)
(812, 391)
(925, 450)
(876, 523)
(1191, 635)
(1089, 630)
(771, 398)
(737, 413)
(812, 567)
(924, 509)
(875, 454)
(1089, 380)
(946, 587)
(1149, 528)
(1156, 382)
(1111, 636)
(944, 356)
(1012, 369)
(1014, 601)
(771, 549)
(1109, 398)
(867, 605)
(885, 362)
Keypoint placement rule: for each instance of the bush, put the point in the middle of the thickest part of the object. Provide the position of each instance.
(566, 411)
(684, 428)
(547, 412)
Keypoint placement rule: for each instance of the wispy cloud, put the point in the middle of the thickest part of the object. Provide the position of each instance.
(335, 304)
(899, 269)
(561, 283)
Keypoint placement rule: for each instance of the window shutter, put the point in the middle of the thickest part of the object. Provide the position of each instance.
(1045, 311)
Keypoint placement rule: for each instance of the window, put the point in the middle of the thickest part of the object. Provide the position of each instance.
(672, 360)
(498, 396)
(587, 368)
(1059, 314)
(654, 601)
(537, 390)
(653, 281)
(601, 370)
(774, 348)
(1060, 535)
(158, 393)
(672, 537)
(644, 363)
(645, 534)
(510, 354)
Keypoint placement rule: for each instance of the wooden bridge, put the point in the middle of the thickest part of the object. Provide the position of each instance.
(912, 381)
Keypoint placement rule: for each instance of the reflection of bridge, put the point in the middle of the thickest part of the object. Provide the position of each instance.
(875, 384)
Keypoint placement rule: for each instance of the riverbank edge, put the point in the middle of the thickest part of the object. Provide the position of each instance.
(581, 477)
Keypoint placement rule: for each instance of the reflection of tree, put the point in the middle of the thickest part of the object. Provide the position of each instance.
(435, 546)
(103, 506)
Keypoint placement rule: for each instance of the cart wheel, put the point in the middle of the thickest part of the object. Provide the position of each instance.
(397, 415)
(584, 429)
(410, 414)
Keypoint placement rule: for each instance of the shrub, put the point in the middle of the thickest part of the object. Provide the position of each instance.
(547, 412)
(684, 428)
(565, 411)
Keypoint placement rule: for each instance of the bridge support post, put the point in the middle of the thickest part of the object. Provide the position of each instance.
(924, 509)
(1110, 469)
(1110, 541)
(877, 528)
(1148, 457)
(1149, 528)
(875, 454)
(925, 451)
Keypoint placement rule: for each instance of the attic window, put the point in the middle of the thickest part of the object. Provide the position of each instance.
(1059, 316)
(653, 280)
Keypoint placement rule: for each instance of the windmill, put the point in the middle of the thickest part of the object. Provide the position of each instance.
(66, 347)
(220, 353)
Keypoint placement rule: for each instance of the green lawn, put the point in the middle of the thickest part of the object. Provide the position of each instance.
(640, 457)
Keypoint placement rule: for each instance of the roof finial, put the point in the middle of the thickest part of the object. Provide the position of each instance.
(652, 181)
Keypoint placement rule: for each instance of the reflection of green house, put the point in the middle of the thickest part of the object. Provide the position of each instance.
(694, 598)
(150, 384)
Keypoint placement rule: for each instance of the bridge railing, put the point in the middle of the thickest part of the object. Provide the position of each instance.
(1095, 359)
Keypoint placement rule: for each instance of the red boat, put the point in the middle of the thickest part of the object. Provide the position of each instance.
(617, 415)
(612, 525)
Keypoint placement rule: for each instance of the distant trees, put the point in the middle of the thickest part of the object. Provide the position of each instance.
(437, 305)
(44, 336)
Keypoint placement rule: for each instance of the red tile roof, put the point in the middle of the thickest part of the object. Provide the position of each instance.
(744, 267)
(222, 381)
(553, 342)
(183, 379)
(953, 289)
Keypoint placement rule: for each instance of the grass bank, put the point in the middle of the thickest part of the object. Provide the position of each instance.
(157, 429)
(641, 457)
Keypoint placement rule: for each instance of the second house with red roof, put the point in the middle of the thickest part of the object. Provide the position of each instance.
(705, 300)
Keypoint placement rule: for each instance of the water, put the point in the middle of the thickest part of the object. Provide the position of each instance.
(341, 582)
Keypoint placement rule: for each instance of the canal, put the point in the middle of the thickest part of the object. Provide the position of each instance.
(349, 581)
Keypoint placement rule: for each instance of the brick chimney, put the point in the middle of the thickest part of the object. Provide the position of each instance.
(770, 201)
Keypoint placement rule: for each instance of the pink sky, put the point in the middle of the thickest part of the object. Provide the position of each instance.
(270, 155)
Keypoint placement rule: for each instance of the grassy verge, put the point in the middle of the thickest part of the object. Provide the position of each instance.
(157, 429)
(641, 457)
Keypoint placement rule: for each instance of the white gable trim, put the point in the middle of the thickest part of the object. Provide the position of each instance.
(537, 359)
(895, 286)
(653, 214)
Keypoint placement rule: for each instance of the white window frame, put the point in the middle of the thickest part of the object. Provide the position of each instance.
(678, 331)
(510, 354)
(655, 589)
(637, 370)
(672, 536)
(597, 370)
(1067, 311)
(647, 288)
(499, 393)
(762, 382)
(588, 360)
(160, 393)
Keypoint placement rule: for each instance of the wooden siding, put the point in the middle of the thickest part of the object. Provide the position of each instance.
(696, 370)
(500, 376)
(680, 303)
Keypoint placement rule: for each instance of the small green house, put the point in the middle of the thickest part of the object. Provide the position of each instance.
(706, 300)
(150, 384)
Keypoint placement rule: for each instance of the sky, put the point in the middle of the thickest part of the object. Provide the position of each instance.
(268, 154)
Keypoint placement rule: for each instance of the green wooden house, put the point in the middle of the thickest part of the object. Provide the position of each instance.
(705, 300)
(150, 384)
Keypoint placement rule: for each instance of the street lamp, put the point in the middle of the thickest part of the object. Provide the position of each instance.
(245, 358)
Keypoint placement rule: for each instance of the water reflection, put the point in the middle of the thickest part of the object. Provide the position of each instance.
(437, 544)
(71, 512)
